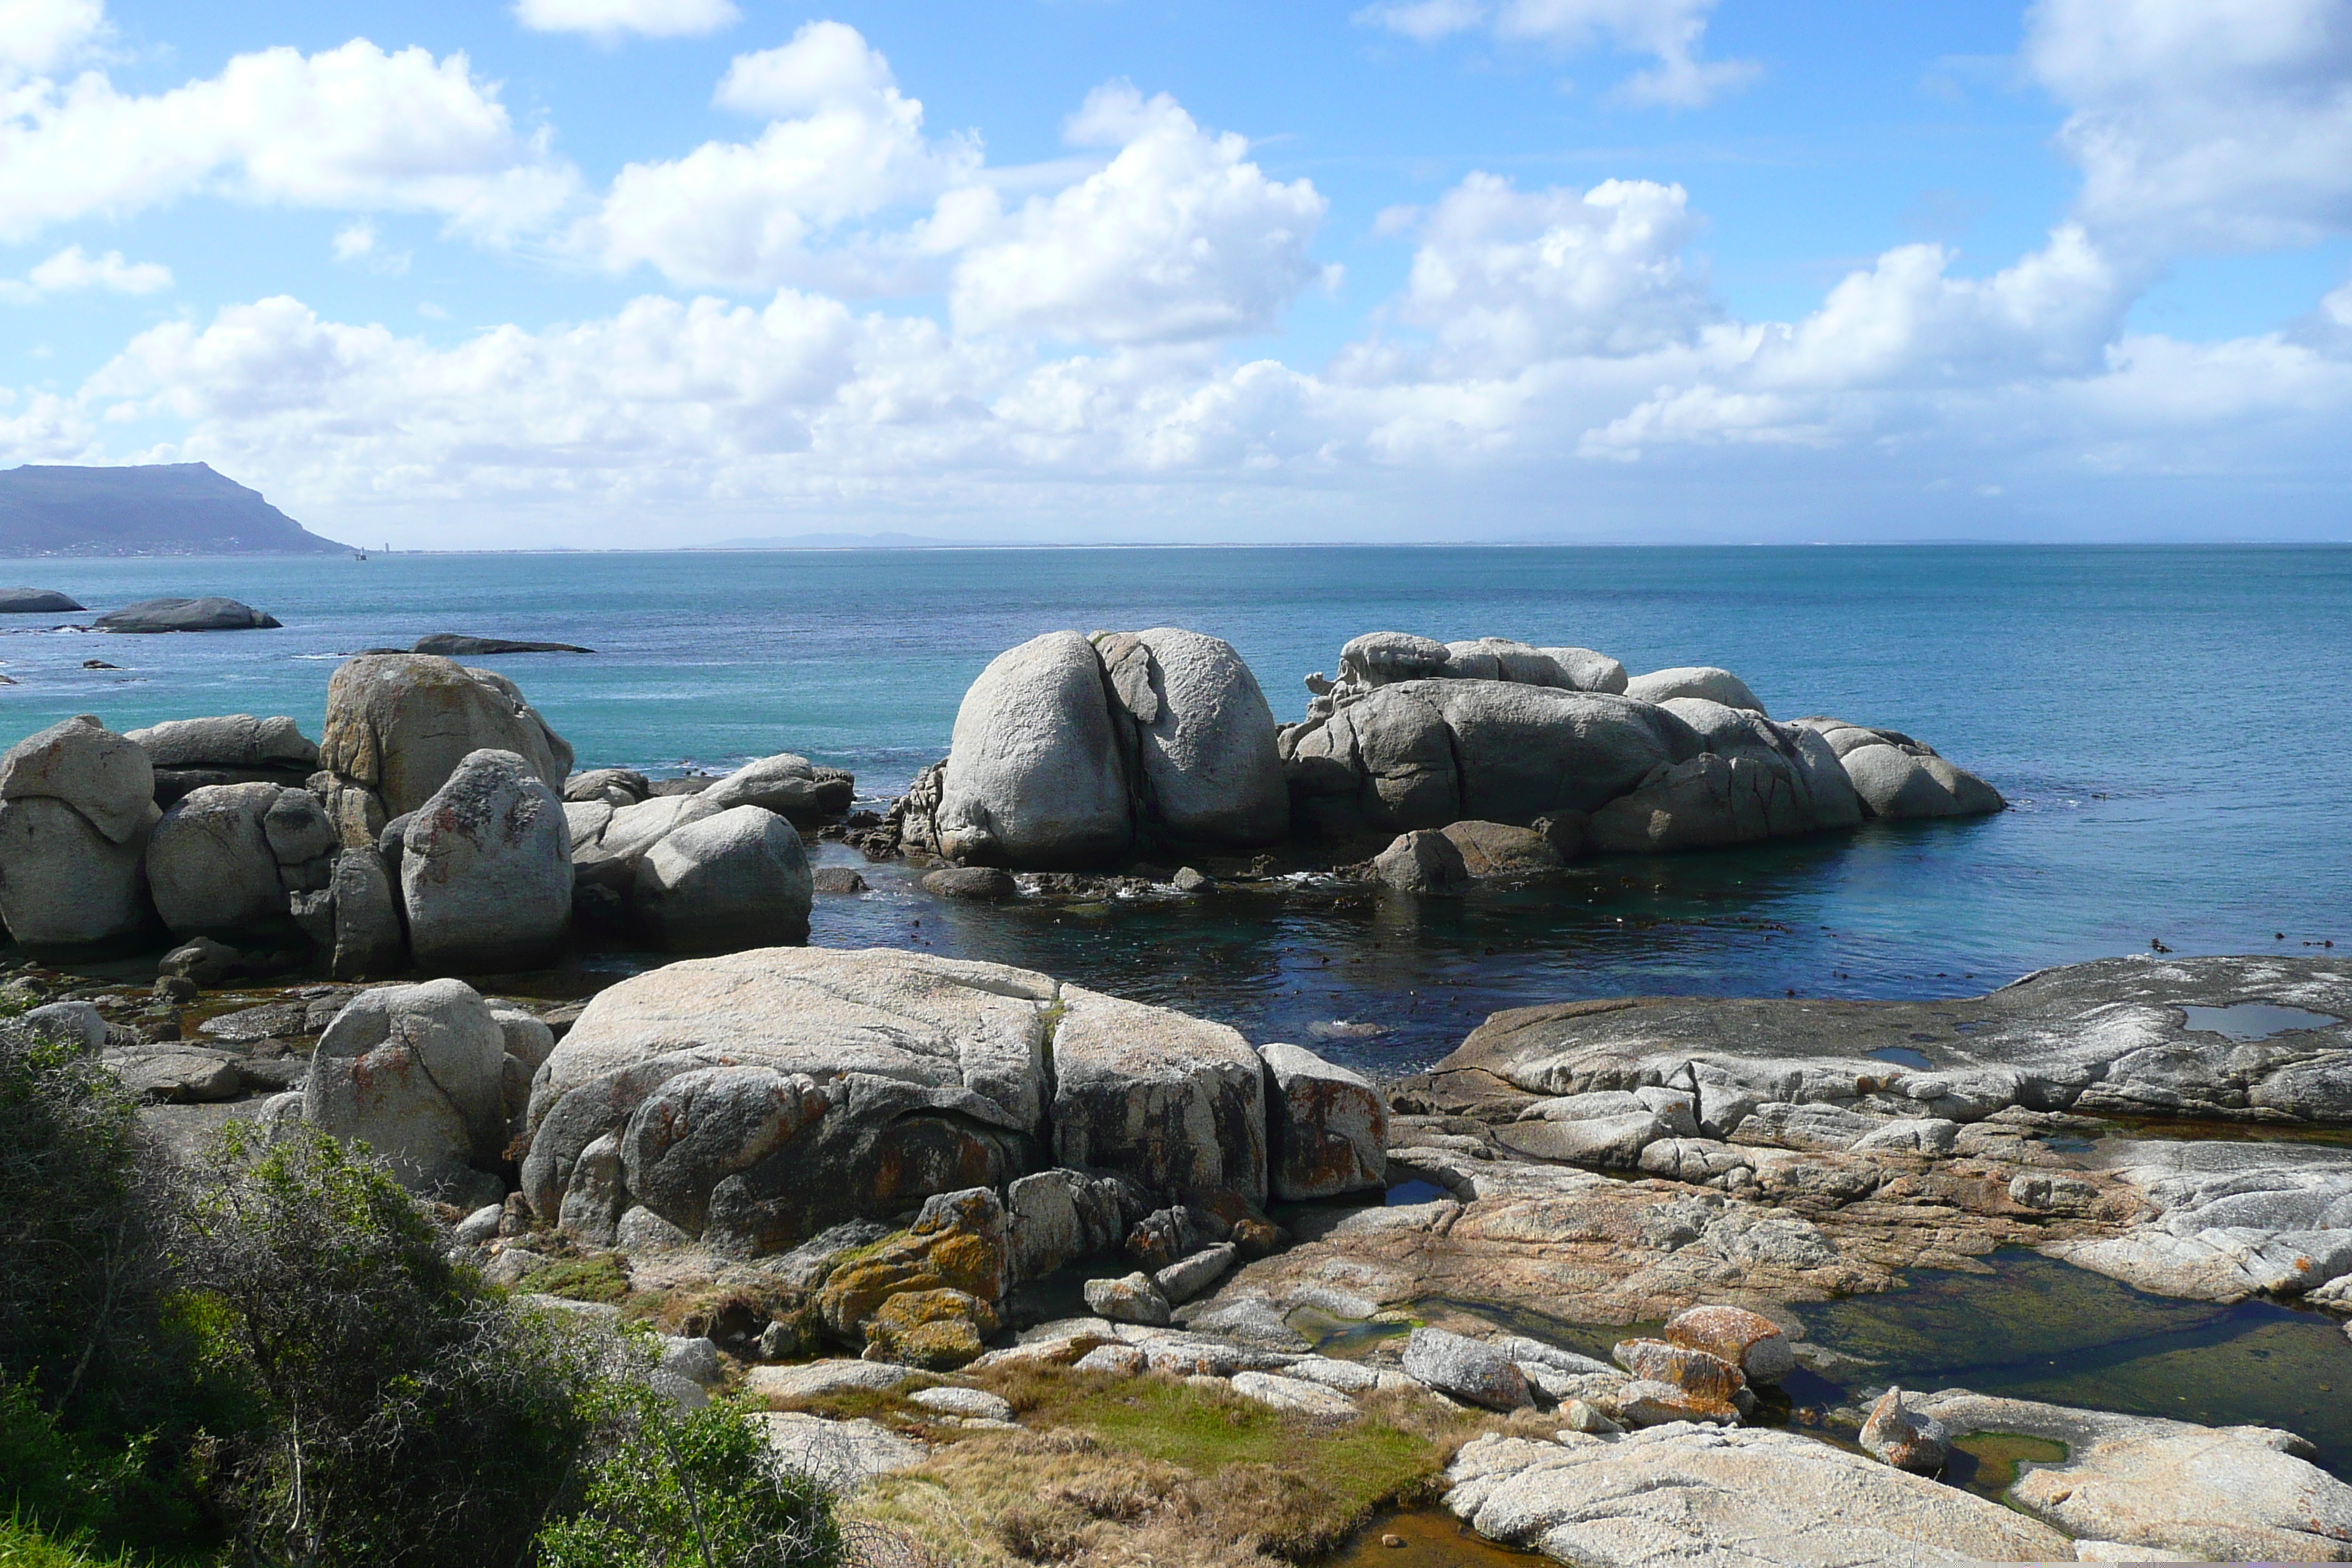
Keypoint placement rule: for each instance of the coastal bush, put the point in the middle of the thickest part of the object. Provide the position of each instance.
(99, 1400)
(406, 1415)
(698, 1490)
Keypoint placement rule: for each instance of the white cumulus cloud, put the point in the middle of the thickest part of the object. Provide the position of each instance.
(1508, 278)
(1180, 238)
(352, 128)
(72, 270)
(845, 144)
(39, 36)
(2222, 124)
(610, 20)
(1670, 31)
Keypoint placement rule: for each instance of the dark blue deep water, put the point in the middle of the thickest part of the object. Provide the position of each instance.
(2170, 723)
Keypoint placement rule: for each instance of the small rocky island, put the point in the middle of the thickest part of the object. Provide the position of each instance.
(911, 1206)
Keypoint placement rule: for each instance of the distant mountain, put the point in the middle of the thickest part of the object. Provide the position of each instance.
(159, 508)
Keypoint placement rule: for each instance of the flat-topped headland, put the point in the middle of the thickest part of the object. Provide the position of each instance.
(941, 1214)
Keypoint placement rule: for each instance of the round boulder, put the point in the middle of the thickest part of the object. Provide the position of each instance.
(76, 803)
(1211, 773)
(736, 879)
(1033, 773)
(210, 865)
(399, 724)
(413, 1072)
(486, 869)
(1694, 681)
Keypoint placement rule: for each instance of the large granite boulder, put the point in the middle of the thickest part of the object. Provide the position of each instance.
(736, 879)
(486, 869)
(414, 1071)
(1035, 775)
(1331, 1127)
(1896, 776)
(1424, 753)
(209, 614)
(399, 724)
(236, 748)
(1176, 1102)
(369, 937)
(1756, 779)
(36, 601)
(77, 804)
(726, 1081)
(1382, 658)
(210, 865)
(1208, 774)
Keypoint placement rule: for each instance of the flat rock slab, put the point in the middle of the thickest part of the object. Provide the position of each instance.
(2257, 1038)
(2231, 1219)
(841, 1455)
(1692, 1496)
(178, 1074)
(813, 1379)
(2225, 1493)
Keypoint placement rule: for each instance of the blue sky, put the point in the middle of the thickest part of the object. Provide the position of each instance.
(619, 272)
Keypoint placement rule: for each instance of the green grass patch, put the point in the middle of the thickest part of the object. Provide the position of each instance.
(597, 1278)
(24, 1544)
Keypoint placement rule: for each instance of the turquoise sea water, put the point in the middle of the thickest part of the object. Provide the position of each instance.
(2168, 723)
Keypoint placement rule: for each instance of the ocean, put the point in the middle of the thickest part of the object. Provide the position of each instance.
(2168, 725)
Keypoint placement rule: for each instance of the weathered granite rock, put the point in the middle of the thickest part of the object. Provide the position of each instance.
(414, 1070)
(2229, 1220)
(1465, 1368)
(177, 1075)
(1134, 1299)
(1176, 1102)
(33, 601)
(1905, 1438)
(977, 1404)
(1424, 753)
(611, 786)
(1756, 780)
(971, 884)
(902, 1074)
(1329, 1127)
(369, 937)
(1187, 1276)
(1700, 680)
(1057, 1215)
(1035, 775)
(234, 740)
(1713, 1384)
(1896, 776)
(956, 1243)
(816, 1379)
(76, 803)
(486, 869)
(736, 879)
(210, 864)
(457, 645)
(1680, 1494)
(937, 1329)
(1423, 861)
(2105, 1039)
(1748, 1341)
(788, 786)
(210, 613)
(398, 725)
(1208, 772)
(2222, 1493)
(1298, 1396)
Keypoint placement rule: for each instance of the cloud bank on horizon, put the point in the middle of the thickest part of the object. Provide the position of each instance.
(409, 299)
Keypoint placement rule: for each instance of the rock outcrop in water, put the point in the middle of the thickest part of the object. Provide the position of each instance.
(1072, 753)
(211, 614)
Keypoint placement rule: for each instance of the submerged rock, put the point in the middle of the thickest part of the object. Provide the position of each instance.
(456, 645)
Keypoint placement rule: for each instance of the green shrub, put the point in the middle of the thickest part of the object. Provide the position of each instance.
(407, 1416)
(99, 1407)
(697, 1491)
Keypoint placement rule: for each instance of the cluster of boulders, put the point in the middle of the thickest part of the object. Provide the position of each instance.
(437, 825)
(1072, 752)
